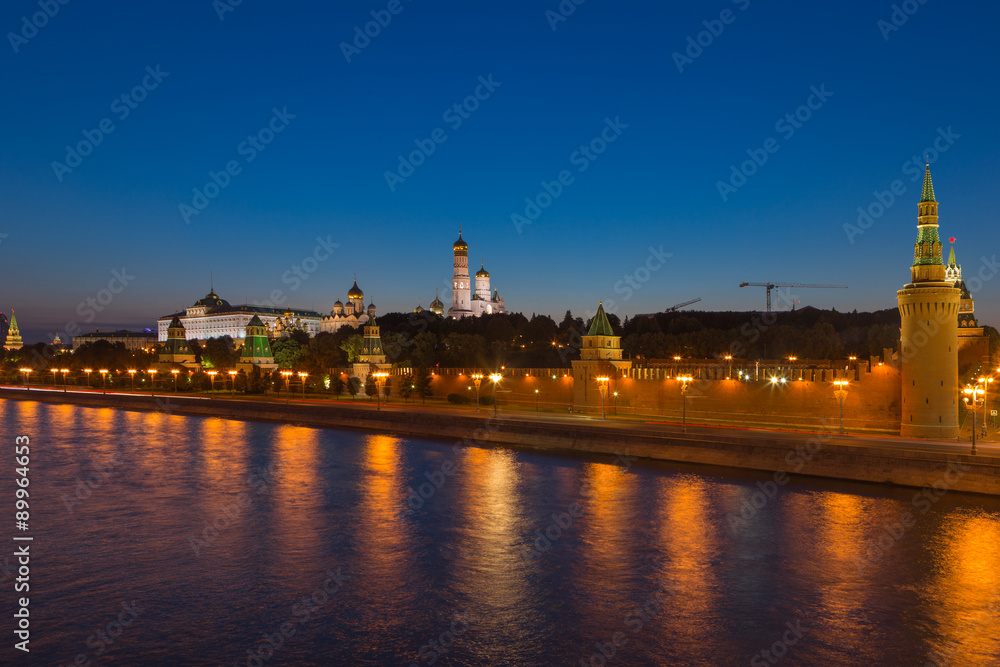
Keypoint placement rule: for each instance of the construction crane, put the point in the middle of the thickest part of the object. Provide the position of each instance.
(771, 286)
(678, 306)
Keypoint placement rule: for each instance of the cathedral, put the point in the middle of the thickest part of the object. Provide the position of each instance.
(466, 302)
(353, 315)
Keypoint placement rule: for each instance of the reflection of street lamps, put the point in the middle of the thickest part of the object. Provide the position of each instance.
(152, 381)
(684, 379)
(211, 379)
(131, 375)
(496, 377)
(379, 380)
(972, 393)
(27, 378)
(104, 378)
(232, 381)
(841, 393)
(476, 379)
(602, 386)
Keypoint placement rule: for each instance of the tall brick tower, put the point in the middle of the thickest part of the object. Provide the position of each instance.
(928, 308)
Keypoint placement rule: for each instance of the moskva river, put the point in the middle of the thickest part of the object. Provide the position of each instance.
(170, 540)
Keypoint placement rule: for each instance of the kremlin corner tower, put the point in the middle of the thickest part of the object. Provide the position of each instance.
(928, 309)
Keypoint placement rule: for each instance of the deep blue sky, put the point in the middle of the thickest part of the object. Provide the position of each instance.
(323, 176)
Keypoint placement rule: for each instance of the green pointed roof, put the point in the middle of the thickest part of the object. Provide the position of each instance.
(175, 323)
(952, 262)
(928, 192)
(255, 322)
(13, 321)
(600, 326)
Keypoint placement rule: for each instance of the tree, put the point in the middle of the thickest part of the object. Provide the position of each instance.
(219, 353)
(422, 380)
(353, 386)
(406, 387)
(371, 387)
(425, 349)
(286, 351)
(336, 385)
(255, 382)
(323, 352)
(353, 346)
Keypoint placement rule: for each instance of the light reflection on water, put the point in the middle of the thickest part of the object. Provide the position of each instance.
(219, 529)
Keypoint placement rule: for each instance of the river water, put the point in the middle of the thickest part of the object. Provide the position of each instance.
(164, 539)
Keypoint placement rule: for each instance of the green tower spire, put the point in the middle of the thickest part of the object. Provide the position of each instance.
(600, 326)
(927, 194)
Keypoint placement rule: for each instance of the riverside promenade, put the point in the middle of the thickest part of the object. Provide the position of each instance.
(941, 466)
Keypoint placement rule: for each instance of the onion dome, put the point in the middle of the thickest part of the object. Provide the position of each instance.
(482, 272)
(460, 244)
(355, 292)
(338, 302)
(419, 308)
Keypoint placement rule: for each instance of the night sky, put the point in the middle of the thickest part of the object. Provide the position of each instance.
(881, 95)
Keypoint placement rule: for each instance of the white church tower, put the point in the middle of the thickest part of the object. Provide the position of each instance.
(461, 287)
(482, 282)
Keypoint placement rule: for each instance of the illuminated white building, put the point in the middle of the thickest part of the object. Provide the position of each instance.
(214, 317)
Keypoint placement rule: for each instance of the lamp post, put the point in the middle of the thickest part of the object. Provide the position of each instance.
(986, 385)
(152, 381)
(684, 379)
(232, 381)
(841, 393)
(88, 371)
(729, 358)
(175, 372)
(131, 375)
(27, 378)
(495, 377)
(476, 379)
(64, 371)
(104, 380)
(288, 388)
(536, 400)
(54, 371)
(211, 379)
(971, 394)
(302, 378)
(602, 387)
(379, 381)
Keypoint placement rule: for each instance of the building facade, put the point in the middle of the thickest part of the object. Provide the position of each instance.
(600, 356)
(134, 341)
(470, 300)
(214, 317)
(973, 343)
(929, 307)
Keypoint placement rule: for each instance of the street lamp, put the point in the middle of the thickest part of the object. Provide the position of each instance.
(684, 379)
(536, 400)
(104, 380)
(379, 381)
(602, 387)
(54, 371)
(614, 402)
(175, 372)
(841, 393)
(476, 379)
(64, 371)
(27, 378)
(495, 377)
(729, 358)
(152, 381)
(211, 379)
(232, 381)
(88, 371)
(986, 385)
(302, 377)
(972, 393)
(131, 375)
(288, 388)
